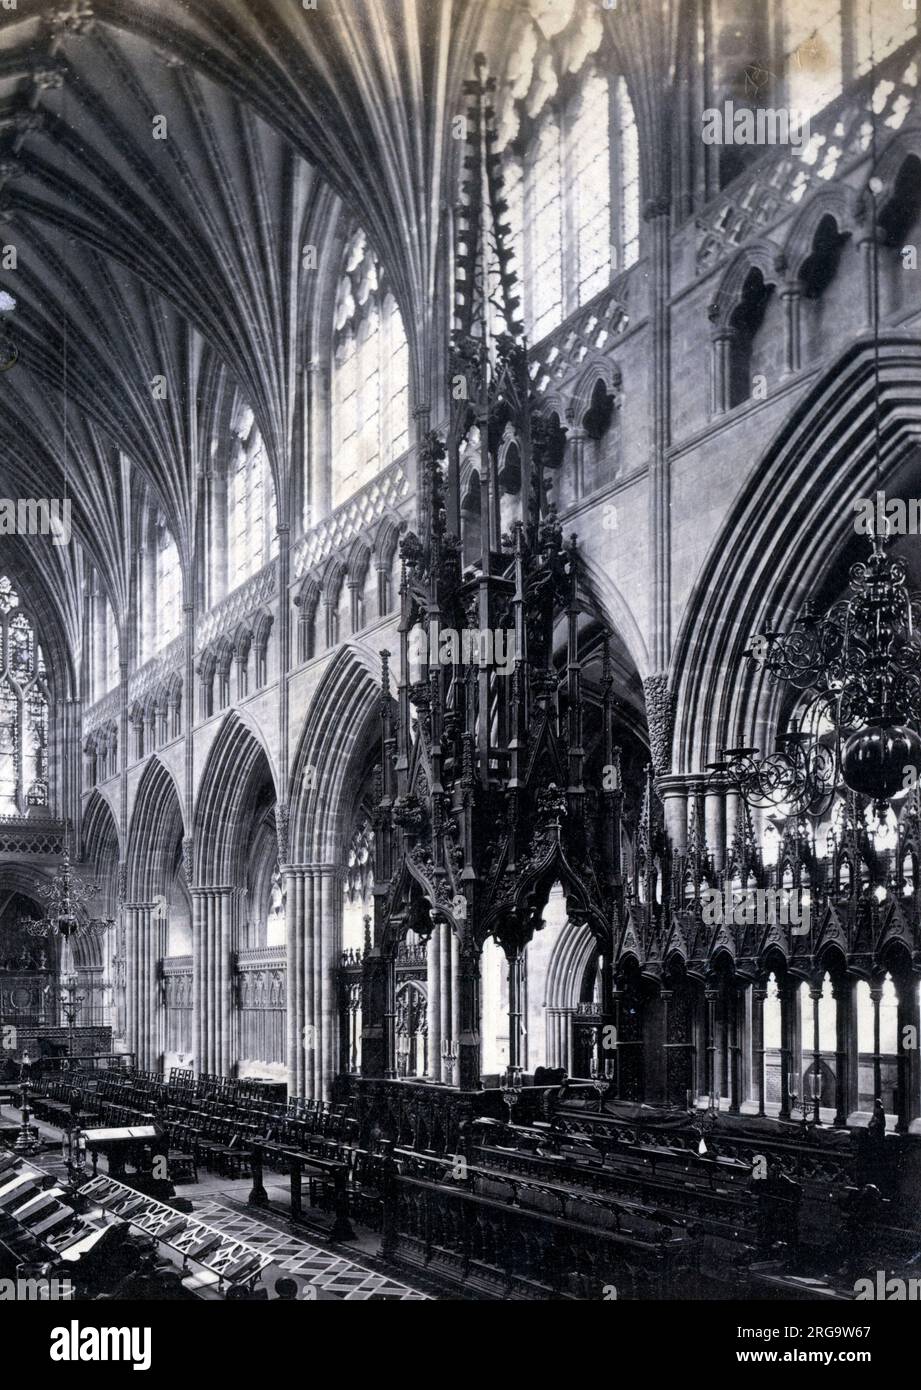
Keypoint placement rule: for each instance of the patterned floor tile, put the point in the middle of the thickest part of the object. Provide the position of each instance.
(334, 1275)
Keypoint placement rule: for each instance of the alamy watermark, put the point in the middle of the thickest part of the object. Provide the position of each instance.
(76, 1343)
(36, 516)
(740, 125)
(471, 646)
(879, 516)
(35, 1290)
(883, 1290)
(756, 907)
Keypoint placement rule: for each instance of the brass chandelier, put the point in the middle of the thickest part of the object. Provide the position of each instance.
(66, 914)
(862, 661)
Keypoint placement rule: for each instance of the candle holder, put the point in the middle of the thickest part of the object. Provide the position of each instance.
(815, 1082)
(73, 1152)
(797, 1103)
(448, 1058)
(598, 1081)
(705, 1126)
(71, 1001)
(27, 1140)
(511, 1090)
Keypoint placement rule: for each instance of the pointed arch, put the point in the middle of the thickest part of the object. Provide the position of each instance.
(334, 751)
(155, 835)
(573, 952)
(237, 772)
(101, 840)
(822, 453)
(837, 201)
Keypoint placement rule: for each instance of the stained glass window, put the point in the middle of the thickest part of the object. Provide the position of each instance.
(23, 710)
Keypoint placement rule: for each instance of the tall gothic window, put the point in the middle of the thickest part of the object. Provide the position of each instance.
(819, 35)
(879, 29)
(813, 54)
(573, 165)
(543, 231)
(23, 710)
(113, 670)
(628, 169)
(251, 499)
(169, 589)
(370, 378)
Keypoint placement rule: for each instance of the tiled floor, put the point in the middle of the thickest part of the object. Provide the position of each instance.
(313, 1267)
(320, 1274)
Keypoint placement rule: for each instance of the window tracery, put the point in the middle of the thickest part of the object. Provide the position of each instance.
(370, 379)
(169, 588)
(252, 507)
(24, 705)
(572, 190)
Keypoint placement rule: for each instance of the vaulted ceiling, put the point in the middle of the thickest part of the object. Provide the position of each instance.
(181, 258)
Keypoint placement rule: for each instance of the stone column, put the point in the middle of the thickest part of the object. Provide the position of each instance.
(733, 812)
(142, 1013)
(841, 991)
(384, 601)
(355, 592)
(295, 880)
(853, 1049)
(566, 1016)
(515, 1007)
(711, 997)
(715, 822)
(454, 945)
(720, 352)
(313, 918)
(815, 994)
(674, 793)
(876, 995)
(657, 214)
(445, 994)
(665, 997)
(433, 985)
(787, 997)
(759, 994)
(734, 1009)
(576, 442)
(790, 298)
(468, 1040)
(552, 1043)
(868, 254)
(217, 942)
(328, 932)
(909, 1019)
